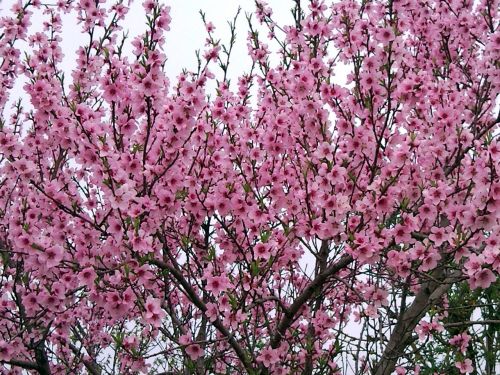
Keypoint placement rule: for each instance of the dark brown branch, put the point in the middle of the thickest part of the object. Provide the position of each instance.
(42, 359)
(201, 305)
(315, 286)
(461, 155)
(472, 323)
(91, 366)
(23, 364)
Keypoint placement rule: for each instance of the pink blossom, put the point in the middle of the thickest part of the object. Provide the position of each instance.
(154, 314)
(379, 298)
(148, 86)
(185, 339)
(482, 279)
(5, 351)
(371, 311)
(212, 312)
(87, 276)
(217, 284)
(51, 256)
(438, 236)
(194, 351)
(228, 219)
(210, 27)
(385, 35)
(402, 234)
(465, 367)
(430, 261)
(428, 213)
(461, 340)
(268, 357)
(262, 251)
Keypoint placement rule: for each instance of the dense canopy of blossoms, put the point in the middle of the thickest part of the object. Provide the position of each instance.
(284, 223)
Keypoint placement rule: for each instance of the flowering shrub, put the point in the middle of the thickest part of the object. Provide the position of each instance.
(283, 224)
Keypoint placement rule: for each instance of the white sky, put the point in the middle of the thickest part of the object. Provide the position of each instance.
(187, 33)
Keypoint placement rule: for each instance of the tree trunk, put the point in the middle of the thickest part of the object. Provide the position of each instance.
(42, 360)
(430, 293)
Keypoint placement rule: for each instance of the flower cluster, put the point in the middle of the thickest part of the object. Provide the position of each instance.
(246, 230)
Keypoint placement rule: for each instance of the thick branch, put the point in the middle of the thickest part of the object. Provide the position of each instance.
(315, 286)
(430, 293)
(42, 359)
(201, 305)
(23, 364)
(472, 323)
(91, 366)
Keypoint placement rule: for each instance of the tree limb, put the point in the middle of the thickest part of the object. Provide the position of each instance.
(315, 286)
(430, 293)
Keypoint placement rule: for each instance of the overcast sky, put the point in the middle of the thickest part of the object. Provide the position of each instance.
(187, 33)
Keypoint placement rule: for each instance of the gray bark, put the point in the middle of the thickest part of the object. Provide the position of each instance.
(430, 293)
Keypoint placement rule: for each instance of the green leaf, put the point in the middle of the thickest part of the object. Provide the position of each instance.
(137, 224)
(351, 176)
(211, 253)
(185, 241)
(107, 182)
(265, 235)
(286, 229)
(233, 301)
(5, 257)
(254, 268)
(126, 269)
(137, 147)
(37, 247)
(404, 203)
(118, 339)
(181, 194)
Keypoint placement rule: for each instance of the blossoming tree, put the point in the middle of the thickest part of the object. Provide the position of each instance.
(281, 224)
